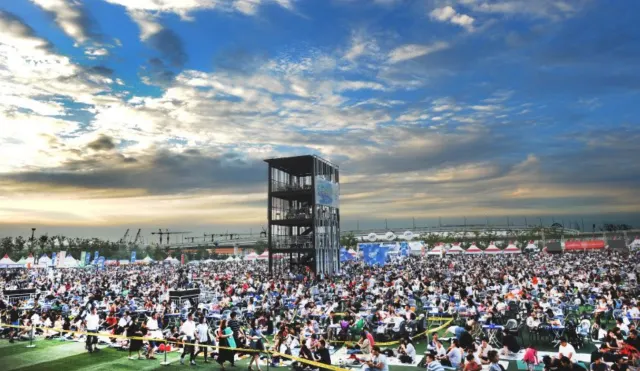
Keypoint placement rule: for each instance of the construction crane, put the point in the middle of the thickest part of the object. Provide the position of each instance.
(167, 233)
(135, 240)
(123, 240)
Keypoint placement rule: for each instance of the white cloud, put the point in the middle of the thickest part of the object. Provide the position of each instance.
(68, 16)
(411, 51)
(449, 14)
(147, 23)
(359, 85)
(96, 52)
(184, 8)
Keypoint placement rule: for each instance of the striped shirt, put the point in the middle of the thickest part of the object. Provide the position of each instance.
(435, 366)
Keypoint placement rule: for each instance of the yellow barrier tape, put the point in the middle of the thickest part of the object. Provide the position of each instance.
(447, 319)
(308, 362)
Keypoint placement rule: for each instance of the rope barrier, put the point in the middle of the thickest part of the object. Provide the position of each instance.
(269, 353)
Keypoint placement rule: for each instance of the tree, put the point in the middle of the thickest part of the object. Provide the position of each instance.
(348, 240)
(260, 247)
(7, 245)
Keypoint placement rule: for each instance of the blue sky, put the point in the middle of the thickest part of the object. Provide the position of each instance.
(159, 112)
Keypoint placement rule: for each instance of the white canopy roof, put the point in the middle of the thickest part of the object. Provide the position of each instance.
(69, 262)
(635, 243)
(455, 249)
(6, 261)
(531, 246)
(251, 256)
(147, 259)
(512, 249)
(352, 251)
(229, 259)
(473, 249)
(264, 255)
(436, 250)
(492, 249)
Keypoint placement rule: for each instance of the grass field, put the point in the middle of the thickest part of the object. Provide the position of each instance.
(57, 355)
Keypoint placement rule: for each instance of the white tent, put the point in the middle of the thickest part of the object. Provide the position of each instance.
(492, 249)
(70, 262)
(635, 244)
(251, 256)
(512, 249)
(416, 247)
(229, 259)
(352, 252)
(455, 249)
(44, 261)
(238, 259)
(22, 261)
(171, 260)
(6, 262)
(264, 255)
(148, 259)
(30, 261)
(473, 250)
(436, 250)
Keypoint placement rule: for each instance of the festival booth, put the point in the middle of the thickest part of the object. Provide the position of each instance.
(531, 247)
(30, 261)
(264, 255)
(6, 262)
(416, 248)
(22, 261)
(353, 252)
(436, 250)
(147, 260)
(229, 259)
(170, 260)
(492, 249)
(473, 250)
(251, 256)
(587, 245)
(635, 244)
(512, 249)
(455, 250)
(44, 261)
(68, 262)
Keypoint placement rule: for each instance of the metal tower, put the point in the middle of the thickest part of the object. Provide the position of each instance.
(304, 215)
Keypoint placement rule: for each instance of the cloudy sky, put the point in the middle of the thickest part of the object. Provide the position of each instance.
(158, 113)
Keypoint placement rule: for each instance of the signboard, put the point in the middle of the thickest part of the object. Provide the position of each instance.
(54, 256)
(101, 260)
(327, 192)
(83, 257)
(87, 258)
(584, 245)
(374, 253)
(133, 257)
(95, 257)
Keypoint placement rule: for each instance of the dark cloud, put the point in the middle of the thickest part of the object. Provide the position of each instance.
(104, 143)
(162, 172)
(170, 46)
(13, 24)
(80, 19)
(158, 73)
(100, 70)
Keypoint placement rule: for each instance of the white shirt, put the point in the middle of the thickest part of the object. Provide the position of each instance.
(93, 321)
(567, 351)
(152, 324)
(188, 328)
(202, 331)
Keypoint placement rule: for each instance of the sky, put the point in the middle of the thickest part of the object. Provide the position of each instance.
(154, 114)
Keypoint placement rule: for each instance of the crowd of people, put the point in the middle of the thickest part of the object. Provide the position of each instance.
(492, 300)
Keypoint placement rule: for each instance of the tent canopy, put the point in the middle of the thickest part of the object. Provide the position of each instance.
(473, 249)
(492, 249)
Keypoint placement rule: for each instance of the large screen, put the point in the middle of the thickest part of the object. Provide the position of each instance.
(327, 192)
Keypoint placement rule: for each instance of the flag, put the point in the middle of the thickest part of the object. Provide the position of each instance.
(54, 256)
(404, 249)
(87, 258)
(83, 258)
(95, 257)
(101, 262)
(182, 259)
(133, 257)
(61, 257)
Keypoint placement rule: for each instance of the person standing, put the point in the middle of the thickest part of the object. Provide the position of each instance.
(225, 341)
(188, 330)
(202, 334)
(257, 344)
(92, 321)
